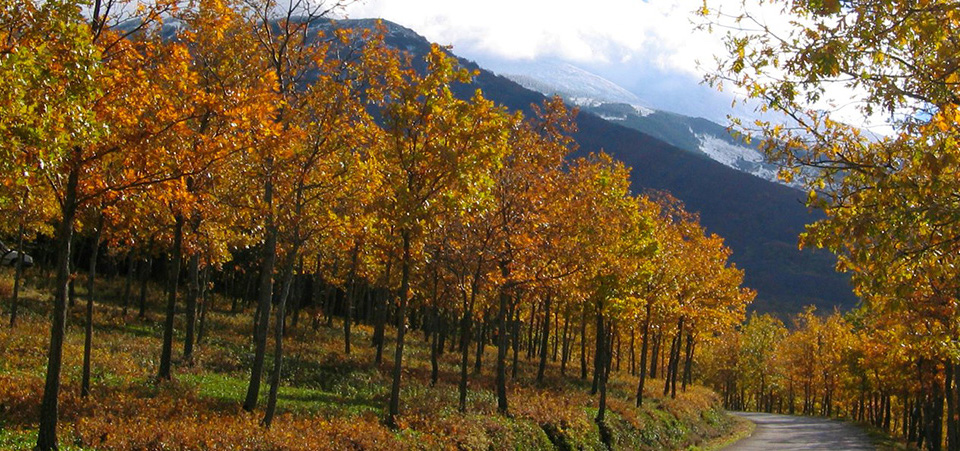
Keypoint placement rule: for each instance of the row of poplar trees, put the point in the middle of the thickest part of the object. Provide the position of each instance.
(869, 91)
(216, 132)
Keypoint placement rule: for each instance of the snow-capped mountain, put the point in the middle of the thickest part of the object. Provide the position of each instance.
(614, 103)
(570, 82)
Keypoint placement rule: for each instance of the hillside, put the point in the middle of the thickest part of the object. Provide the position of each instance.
(759, 219)
(327, 400)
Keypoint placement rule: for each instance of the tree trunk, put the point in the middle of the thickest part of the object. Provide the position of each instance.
(531, 329)
(174, 277)
(17, 278)
(265, 297)
(655, 354)
(128, 282)
(394, 408)
(88, 325)
(434, 349)
(565, 347)
(949, 386)
(381, 314)
(605, 353)
(47, 434)
(544, 339)
(668, 376)
(556, 335)
(481, 342)
(598, 350)
(278, 337)
(688, 362)
(502, 343)
(466, 324)
(583, 345)
(206, 303)
(352, 293)
(645, 340)
(193, 293)
(144, 278)
(674, 370)
(516, 338)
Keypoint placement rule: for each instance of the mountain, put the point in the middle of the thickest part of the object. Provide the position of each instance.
(614, 103)
(759, 219)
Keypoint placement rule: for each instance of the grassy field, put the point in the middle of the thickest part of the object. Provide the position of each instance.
(327, 400)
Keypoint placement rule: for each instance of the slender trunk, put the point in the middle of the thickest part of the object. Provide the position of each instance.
(583, 345)
(442, 333)
(556, 335)
(674, 371)
(265, 294)
(531, 329)
(378, 329)
(544, 339)
(72, 286)
(605, 352)
(516, 337)
(501, 379)
(88, 319)
(434, 351)
(394, 409)
(950, 390)
(655, 354)
(206, 303)
(278, 337)
(167, 354)
(193, 293)
(128, 283)
(565, 348)
(668, 376)
(645, 340)
(616, 337)
(144, 278)
(481, 342)
(633, 351)
(47, 434)
(465, 325)
(349, 298)
(688, 362)
(598, 350)
(17, 278)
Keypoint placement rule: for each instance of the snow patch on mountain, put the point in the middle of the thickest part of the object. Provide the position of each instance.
(612, 118)
(576, 85)
(735, 156)
(643, 111)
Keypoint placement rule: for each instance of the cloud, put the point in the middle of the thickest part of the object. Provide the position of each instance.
(595, 32)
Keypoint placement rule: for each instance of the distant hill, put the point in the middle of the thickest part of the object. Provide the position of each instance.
(759, 219)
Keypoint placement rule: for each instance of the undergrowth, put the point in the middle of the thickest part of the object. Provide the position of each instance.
(327, 400)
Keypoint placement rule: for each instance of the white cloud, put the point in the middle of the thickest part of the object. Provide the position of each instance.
(597, 32)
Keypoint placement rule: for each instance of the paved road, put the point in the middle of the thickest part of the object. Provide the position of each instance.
(786, 432)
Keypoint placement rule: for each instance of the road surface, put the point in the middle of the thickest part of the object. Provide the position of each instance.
(787, 432)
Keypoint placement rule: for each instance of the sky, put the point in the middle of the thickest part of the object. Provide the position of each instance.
(649, 47)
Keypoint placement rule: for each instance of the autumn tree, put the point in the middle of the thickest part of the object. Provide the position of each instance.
(888, 198)
(438, 150)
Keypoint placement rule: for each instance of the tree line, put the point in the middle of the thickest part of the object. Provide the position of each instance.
(255, 149)
(889, 197)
